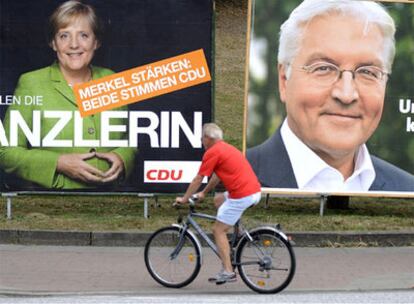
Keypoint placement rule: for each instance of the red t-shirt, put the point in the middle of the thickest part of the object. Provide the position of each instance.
(232, 168)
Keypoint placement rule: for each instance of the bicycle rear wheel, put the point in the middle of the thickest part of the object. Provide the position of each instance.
(266, 264)
(169, 266)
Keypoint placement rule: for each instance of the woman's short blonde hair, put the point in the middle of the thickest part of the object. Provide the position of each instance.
(69, 11)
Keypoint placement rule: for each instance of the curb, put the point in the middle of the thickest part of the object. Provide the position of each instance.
(138, 239)
(354, 239)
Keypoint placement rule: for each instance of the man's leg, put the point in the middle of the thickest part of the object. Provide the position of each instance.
(220, 235)
(220, 230)
(219, 199)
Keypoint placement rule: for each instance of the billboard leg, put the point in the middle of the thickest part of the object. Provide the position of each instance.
(146, 196)
(145, 207)
(9, 204)
(267, 201)
(322, 205)
(9, 207)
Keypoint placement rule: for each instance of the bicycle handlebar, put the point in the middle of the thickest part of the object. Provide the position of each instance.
(191, 201)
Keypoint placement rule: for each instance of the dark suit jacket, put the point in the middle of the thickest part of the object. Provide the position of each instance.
(272, 165)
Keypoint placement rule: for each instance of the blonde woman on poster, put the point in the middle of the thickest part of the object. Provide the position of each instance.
(75, 36)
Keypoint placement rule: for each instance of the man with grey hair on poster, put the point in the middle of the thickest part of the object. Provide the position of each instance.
(334, 60)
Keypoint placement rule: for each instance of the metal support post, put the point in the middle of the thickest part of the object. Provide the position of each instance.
(9, 207)
(267, 201)
(146, 207)
(157, 203)
(8, 197)
(146, 196)
(323, 200)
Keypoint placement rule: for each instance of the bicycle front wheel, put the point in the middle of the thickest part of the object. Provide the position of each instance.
(266, 264)
(171, 262)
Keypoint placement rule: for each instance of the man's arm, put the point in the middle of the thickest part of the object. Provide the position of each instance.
(192, 188)
(212, 183)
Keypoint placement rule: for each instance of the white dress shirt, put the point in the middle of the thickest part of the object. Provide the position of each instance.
(312, 173)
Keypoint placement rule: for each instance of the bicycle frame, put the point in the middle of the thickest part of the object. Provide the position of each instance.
(191, 222)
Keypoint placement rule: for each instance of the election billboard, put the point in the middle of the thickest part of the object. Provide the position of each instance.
(103, 96)
(329, 96)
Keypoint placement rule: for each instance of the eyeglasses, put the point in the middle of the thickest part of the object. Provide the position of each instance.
(326, 74)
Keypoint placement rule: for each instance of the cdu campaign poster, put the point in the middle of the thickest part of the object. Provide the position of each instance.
(103, 96)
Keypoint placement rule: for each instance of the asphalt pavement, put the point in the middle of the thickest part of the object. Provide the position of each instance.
(346, 297)
(94, 270)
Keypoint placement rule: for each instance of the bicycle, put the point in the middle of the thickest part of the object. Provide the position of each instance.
(263, 256)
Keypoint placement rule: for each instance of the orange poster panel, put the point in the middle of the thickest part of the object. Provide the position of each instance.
(141, 83)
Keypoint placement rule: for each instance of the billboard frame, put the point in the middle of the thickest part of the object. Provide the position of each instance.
(138, 186)
(291, 192)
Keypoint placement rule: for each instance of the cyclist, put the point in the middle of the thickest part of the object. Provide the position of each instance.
(223, 162)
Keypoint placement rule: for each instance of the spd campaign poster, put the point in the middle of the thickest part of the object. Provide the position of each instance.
(330, 96)
(103, 96)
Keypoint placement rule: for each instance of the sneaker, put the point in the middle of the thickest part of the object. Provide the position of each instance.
(214, 279)
(223, 277)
